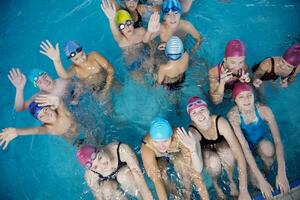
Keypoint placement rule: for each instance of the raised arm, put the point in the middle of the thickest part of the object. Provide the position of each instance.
(109, 10)
(152, 169)
(264, 186)
(281, 179)
(153, 29)
(18, 79)
(128, 156)
(189, 28)
(234, 145)
(189, 141)
(53, 53)
(9, 134)
(217, 87)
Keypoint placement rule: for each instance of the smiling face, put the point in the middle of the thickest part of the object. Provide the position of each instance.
(201, 117)
(45, 82)
(235, 64)
(79, 58)
(47, 115)
(128, 28)
(245, 100)
(131, 5)
(102, 162)
(172, 19)
(162, 146)
(284, 66)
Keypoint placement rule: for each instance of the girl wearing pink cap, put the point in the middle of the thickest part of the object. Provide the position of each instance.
(253, 125)
(233, 69)
(286, 67)
(112, 165)
(219, 147)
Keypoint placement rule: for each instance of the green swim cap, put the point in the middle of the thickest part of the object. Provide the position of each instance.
(122, 16)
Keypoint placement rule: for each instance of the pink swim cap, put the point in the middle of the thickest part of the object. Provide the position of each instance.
(240, 87)
(195, 102)
(292, 55)
(235, 48)
(84, 154)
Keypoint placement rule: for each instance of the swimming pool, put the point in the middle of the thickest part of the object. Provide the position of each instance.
(44, 167)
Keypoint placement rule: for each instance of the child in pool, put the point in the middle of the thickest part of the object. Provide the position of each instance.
(253, 124)
(112, 165)
(162, 145)
(52, 113)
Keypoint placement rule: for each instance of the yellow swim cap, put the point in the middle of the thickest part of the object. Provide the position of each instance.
(122, 16)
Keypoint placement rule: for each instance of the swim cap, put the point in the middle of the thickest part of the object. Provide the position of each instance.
(195, 102)
(84, 154)
(70, 47)
(34, 75)
(122, 16)
(160, 129)
(292, 55)
(174, 48)
(35, 109)
(171, 6)
(235, 48)
(240, 87)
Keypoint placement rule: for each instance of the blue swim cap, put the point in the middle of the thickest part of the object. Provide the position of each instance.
(34, 75)
(171, 6)
(174, 48)
(71, 47)
(160, 129)
(35, 109)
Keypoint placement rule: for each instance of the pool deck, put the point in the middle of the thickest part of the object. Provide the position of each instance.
(293, 195)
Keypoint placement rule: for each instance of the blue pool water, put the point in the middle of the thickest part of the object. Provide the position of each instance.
(45, 167)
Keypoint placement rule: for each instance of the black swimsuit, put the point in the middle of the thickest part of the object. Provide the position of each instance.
(113, 174)
(268, 76)
(207, 143)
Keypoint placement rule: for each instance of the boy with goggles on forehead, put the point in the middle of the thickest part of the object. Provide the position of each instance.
(41, 80)
(112, 165)
(93, 70)
(172, 25)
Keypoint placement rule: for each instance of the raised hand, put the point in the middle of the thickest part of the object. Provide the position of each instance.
(154, 24)
(47, 100)
(109, 9)
(257, 82)
(282, 183)
(7, 135)
(49, 51)
(187, 139)
(17, 78)
(284, 83)
(225, 75)
(265, 188)
(244, 77)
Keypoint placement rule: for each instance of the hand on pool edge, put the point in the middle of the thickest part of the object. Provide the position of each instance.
(282, 183)
(244, 196)
(7, 135)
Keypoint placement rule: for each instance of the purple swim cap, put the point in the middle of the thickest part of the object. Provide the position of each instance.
(84, 154)
(292, 55)
(35, 109)
(235, 48)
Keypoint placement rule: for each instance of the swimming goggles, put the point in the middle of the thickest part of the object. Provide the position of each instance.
(89, 164)
(174, 56)
(127, 23)
(172, 9)
(199, 102)
(35, 79)
(132, 0)
(73, 54)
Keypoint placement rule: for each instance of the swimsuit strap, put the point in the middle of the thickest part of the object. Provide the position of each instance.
(120, 163)
(291, 74)
(257, 114)
(194, 127)
(217, 119)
